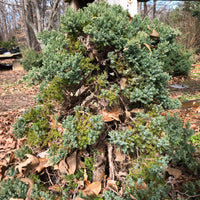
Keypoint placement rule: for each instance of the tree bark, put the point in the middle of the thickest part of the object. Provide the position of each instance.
(35, 20)
(154, 9)
(145, 9)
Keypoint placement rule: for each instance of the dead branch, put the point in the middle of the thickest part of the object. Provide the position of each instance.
(111, 165)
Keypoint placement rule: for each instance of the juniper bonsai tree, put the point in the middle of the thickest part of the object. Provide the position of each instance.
(97, 69)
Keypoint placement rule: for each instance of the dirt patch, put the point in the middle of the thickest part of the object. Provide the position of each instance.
(15, 96)
(189, 91)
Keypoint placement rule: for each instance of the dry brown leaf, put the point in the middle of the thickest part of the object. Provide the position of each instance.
(80, 184)
(142, 186)
(30, 163)
(68, 166)
(123, 83)
(44, 163)
(63, 167)
(92, 189)
(132, 197)
(119, 156)
(43, 154)
(55, 188)
(174, 172)
(78, 198)
(112, 184)
(148, 47)
(71, 161)
(194, 126)
(136, 110)
(154, 33)
(112, 115)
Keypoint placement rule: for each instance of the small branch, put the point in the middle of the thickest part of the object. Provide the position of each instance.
(75, 193)
(52, 14)
(10, 4)
(49, 176)
(111, 166)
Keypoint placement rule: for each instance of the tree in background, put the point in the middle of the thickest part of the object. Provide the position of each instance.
(30, 17)
(9, 15)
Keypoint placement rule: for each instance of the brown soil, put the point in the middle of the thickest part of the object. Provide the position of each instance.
(14, 98)
(191, 113)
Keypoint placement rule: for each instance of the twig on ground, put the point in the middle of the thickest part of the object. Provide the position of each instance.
(111, 165)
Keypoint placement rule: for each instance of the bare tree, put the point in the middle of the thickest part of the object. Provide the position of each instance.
(8, 17)
(39, 16)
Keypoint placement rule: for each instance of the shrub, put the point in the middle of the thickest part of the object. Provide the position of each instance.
(81, 130)
(31, 59)
(8, 44)
(13, 188)
(35, 125)
(95, 45)
(100, 60)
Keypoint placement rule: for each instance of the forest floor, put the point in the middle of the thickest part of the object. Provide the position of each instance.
(16, 97)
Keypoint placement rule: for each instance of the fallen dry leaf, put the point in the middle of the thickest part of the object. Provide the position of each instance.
(78, 198)
(123, 83)
(63, 167)
(92, 189)
(55, 188)
(174, 172)
(154, 33)
(68, 166)
(132, 197)
(142, 186)
(28, 164)
(80, 184)
(44, 163)
(109, 116)
(119, 156)
(71, 161)
(112, 184)
(43, 154)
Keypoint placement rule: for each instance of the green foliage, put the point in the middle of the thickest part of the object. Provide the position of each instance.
(53, 93)
(89, 165)
(13, 188)
(146, 137)
(106, 30)
(192, 188)
(85, 63)
(31, 59)
(153, 133)
(80, 130)
(154, 141)
(19, 127)
(109, 195)
(38, 193)
(195, 139)
(178, 62)
(180, 149)
(35, 125)
(8, 44)
(194, 8)
(21, 153)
